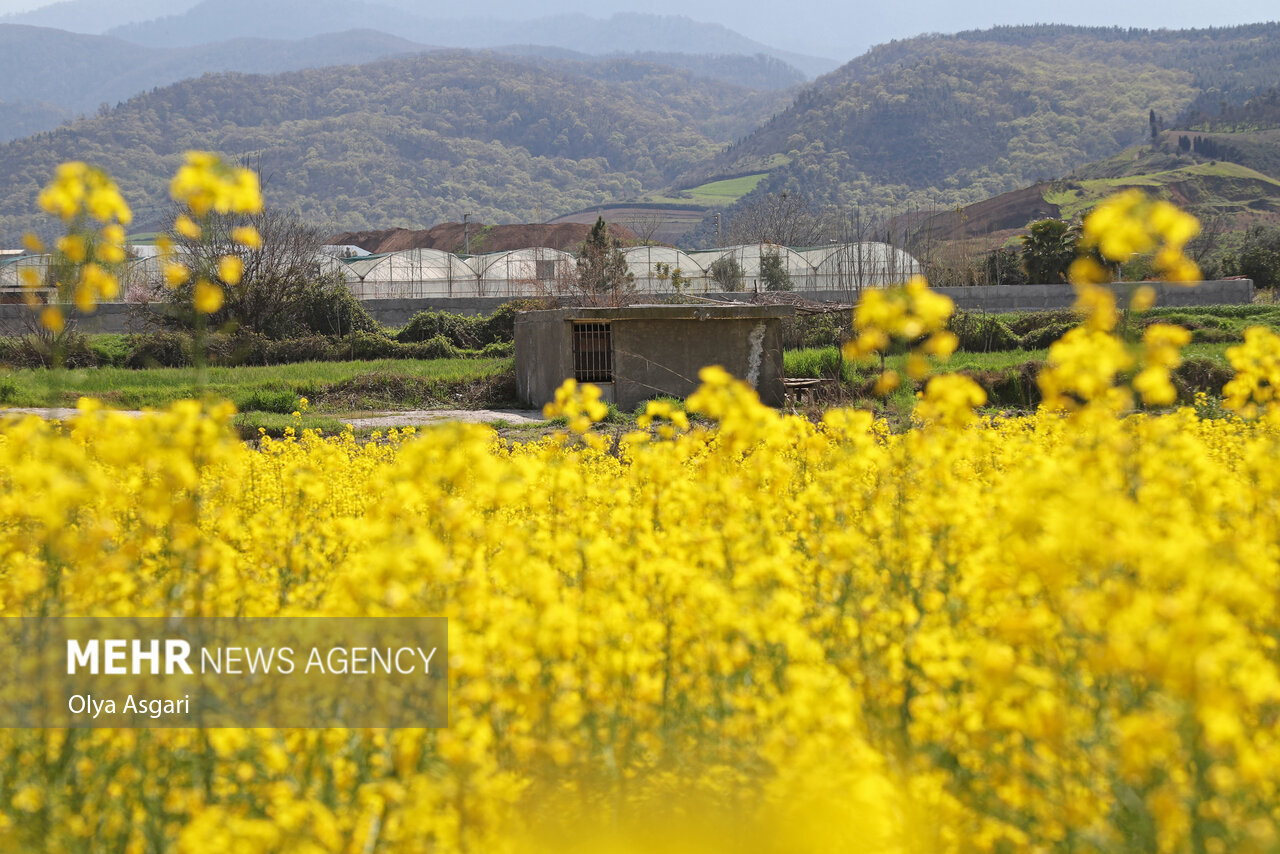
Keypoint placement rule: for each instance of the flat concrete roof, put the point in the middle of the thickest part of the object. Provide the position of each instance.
(659, 312)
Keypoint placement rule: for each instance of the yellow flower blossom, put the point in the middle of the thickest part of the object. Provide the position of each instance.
(247, 236)
(208, 296)
(175, 273)
(187, 227)
(205, 183)
(230, 269)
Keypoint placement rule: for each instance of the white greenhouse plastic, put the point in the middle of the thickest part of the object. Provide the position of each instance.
(431, 273)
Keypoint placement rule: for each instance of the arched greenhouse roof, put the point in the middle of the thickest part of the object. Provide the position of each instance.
(415, 265)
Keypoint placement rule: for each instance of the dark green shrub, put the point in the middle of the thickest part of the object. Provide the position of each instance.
(77, 353)
(267, 400)
(1215, 336)
(309, 348)
(502, 323)
(1258, 258)
(498, 350)
(773, 271)
(1041, 338)
(111, 350)
(327, 307)
(438, 347)
(726, 272)
(22, 352)
(248, 348)
(459, 330)
(1023, 323)
(1200, 374)
(982, 333)
(372, 345)
(160, 350)
(1014, 387)
(11, 352)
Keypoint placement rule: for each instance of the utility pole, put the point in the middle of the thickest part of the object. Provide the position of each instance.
(466, 233)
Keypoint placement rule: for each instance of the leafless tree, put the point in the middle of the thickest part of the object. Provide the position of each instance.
(645, 226)
(785, 219)
(276, 274)
(1205, 245)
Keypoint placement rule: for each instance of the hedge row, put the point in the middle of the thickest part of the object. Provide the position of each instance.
(174, 350)
(466, 332)
(990, 333)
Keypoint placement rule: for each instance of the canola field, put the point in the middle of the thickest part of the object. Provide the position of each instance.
(1055, 632)
(1043, 633)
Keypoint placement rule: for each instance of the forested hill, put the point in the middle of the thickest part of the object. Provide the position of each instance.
(937, 121)
(49, 76)
(69, 74)
(410, 141)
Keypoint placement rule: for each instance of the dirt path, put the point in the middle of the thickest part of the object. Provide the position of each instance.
(371, 421)
(414, 417)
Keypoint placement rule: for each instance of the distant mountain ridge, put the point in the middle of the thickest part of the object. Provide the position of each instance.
(95, 17)
(941, 121)
(50, 76)
(407, 142)
(219, 20)
(78, 72)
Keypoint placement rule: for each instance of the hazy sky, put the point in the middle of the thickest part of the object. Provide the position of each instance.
(843, 31)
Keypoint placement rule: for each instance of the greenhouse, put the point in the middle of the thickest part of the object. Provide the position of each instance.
(540, 271)
(655, 269)
(799, 272)
(854, 266)
(408, 274)
(522, 272)
(11, 269)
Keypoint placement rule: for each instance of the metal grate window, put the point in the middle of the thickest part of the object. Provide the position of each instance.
(592, 353)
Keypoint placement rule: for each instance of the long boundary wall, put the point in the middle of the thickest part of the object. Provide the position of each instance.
(123, 317)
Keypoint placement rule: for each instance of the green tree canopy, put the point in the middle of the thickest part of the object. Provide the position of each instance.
(1048, 248)
(603, 277)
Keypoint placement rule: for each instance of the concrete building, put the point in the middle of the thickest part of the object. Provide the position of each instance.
(639, 352)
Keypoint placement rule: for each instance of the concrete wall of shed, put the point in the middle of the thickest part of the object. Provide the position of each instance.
(657, 350)
(654, 358)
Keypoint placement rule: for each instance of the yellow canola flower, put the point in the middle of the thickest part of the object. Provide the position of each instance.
(78, 189)
(52, 318)
(887, 383)
(86, 259)
(1130, 223)
(906, 314)
(1144, 297)
(187, 227)
(668, 418)
(1162, 345)
(205, 183)
(175, 273)
(74, 246)
(580, 403)
(1252, 391)
(949, 400)
(230, 269)
(208, 296)
(247, 236)
(1082, 367)
(834, 637)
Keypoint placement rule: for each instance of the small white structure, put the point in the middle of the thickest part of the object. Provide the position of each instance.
(522, 272)
(540, 271)
(412, 273)
(655, 268)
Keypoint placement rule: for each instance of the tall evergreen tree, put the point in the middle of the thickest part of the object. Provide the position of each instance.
(603, 276)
